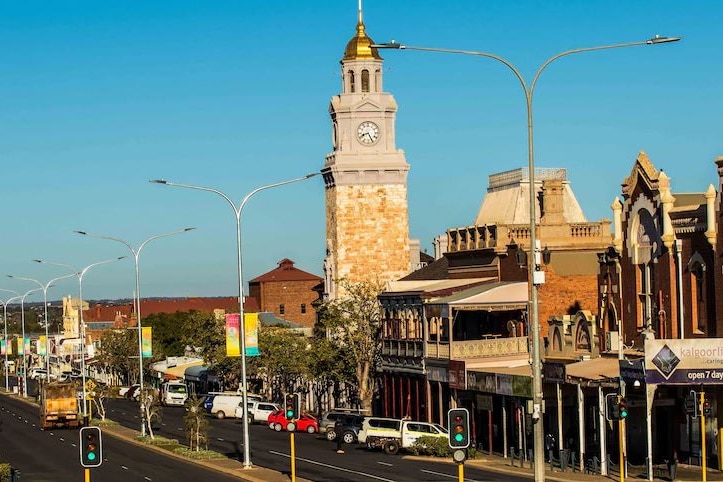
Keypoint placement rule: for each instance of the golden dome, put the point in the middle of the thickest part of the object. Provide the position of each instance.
(360, 46)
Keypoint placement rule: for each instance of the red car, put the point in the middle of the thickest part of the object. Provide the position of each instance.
(306, 423)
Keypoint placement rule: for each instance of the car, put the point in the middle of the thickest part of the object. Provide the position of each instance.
(328, 419)
(133, 392)
(258, 411)
(306, 423)
(351, 423)
(36, 373)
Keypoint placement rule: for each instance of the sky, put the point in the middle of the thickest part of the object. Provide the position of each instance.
(98, 98)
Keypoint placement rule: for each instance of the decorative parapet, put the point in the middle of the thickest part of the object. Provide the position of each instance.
(470, 238)
(489, 348)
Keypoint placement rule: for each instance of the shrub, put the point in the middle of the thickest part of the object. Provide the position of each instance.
(434, 446)
(5, 472)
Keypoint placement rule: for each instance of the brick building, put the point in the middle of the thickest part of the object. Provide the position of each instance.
(288, 292)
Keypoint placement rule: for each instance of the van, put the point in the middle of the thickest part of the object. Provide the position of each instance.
(224, 404)
(173, 393)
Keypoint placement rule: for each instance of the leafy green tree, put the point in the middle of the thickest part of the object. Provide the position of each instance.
(119, 353)
(168, 335)
(207, 333)
(354, 321)
(328, 364)
(283, 358)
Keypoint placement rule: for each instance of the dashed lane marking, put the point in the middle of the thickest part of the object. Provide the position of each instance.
(336, 467)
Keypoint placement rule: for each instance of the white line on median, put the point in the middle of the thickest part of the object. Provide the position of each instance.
(332, 467)
(448, 476)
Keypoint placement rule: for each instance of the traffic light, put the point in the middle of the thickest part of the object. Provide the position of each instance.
(91, 447)
(707, 408)
(292, 406)
(612, 408)
(622, 408)
(691, 404)
(458, 419)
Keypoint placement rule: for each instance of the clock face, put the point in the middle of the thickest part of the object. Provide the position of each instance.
(367, 133)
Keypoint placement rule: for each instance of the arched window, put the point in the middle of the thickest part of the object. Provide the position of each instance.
(365, 80)
(352, 82)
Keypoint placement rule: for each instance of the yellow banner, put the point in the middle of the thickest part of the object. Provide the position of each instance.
(42, 345)
(146, 342)
(233, 336)
(21, 348)
(251, 325)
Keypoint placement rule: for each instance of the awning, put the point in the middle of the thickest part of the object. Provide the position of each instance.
(498, 296)
(179, 370)
(196, 373)
(594, 369)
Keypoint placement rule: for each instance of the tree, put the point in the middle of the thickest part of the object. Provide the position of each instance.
(327, 365)
(168, 336)
(283, 358)
(355, 321)
(196, 423)
(119, 353)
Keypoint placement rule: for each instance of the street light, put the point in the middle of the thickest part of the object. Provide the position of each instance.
(242, 335)
(5, 322)
(80, 274)
(22, 321)
(137, 301)
(535, 275)
(44, 287)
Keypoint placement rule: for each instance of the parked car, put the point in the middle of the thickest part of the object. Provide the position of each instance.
(378, 426)
(391, 437)
(259, 411)
(328, 419)
(224, 404)
(350, 422)
(131, 393)
(306, 423)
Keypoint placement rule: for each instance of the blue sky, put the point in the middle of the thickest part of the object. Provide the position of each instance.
(96, 98)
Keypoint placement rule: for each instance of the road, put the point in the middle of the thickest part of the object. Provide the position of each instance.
(54, 455)
(316, 458)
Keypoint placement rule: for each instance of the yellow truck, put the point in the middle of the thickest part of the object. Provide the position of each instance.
(59, 405)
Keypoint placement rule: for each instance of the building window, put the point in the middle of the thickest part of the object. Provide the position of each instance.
(697, 298)
(303, 308)
(365, 80)
(281, 309)
(352, 82)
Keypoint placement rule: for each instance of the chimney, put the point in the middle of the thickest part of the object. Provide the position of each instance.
(552, 203)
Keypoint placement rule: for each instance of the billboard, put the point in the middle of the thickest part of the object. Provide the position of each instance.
(684, 362)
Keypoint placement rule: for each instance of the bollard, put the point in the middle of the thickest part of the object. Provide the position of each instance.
(563, 459)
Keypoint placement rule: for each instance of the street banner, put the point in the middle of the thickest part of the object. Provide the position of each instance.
(2, 347)
(251, 326)
(21, 349)
(146, 342)
(42, 344)
(684, 362)
(233, 335)
(27, 345)
(9, 347)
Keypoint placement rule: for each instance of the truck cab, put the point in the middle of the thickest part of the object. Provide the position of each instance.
(173, 393)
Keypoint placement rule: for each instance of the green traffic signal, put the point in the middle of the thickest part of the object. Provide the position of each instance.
(91, 447)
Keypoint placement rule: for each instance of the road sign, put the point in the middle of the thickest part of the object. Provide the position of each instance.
(90, 385)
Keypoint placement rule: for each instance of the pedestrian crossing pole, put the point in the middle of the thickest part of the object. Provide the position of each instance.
(701, 411)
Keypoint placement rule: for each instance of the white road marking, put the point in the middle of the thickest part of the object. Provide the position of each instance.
(332, 467)
(386, 463)
(448, 476)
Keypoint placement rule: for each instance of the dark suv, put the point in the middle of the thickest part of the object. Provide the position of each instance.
(350, 422)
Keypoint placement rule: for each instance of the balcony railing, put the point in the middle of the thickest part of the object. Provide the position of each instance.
(489, 348)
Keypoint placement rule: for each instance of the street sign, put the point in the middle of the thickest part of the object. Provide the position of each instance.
(90, 385)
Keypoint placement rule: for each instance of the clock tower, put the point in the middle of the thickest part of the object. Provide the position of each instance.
(367, 220)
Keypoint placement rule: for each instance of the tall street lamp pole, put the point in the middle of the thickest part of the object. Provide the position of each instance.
(44, 287)
(25, 348)
(80, 274)
(137, 303)
(5, 323)
(239, 263)
(535, 276)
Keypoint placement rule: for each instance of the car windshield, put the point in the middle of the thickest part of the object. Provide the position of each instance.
(440, 428)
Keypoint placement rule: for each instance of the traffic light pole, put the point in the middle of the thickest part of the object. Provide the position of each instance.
(87, 475)
(293, 456)
(460, 472)
(701, 410)
(621, 441)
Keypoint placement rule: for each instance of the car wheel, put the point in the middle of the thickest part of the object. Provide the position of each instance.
(330, 435)
(278, 427)
(311, 429)
(271, 425)
(220, 415)
(391, 447)
(348, 437)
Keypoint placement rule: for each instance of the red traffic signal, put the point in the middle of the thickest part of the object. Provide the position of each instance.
(91, 447)
(458, 421)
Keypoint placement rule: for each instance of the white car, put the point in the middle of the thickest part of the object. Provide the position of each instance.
(40, 374)
(258, 411)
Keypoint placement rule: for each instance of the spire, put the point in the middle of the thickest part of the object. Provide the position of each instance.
(359, 47)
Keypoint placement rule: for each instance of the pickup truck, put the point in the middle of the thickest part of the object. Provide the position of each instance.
(391, 435)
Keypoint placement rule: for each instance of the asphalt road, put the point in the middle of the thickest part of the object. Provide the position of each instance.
(54, 455)
(316, 458)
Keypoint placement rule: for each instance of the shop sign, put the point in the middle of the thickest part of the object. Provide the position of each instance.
(457, 377)
(684, 362)
(553, 372)
(481, 382)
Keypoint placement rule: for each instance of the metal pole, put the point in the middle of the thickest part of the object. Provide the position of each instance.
(5, 325)
(239, 264)
(137, 307)
(22, 318)
(703, 461)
